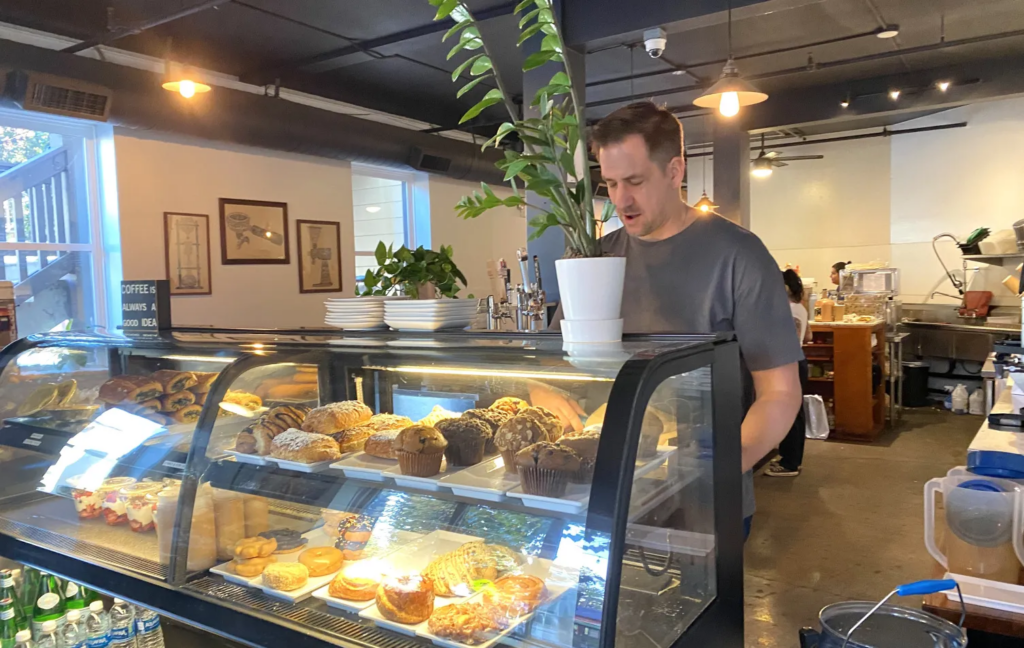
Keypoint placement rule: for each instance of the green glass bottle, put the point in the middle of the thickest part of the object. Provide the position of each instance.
(49, 603)
(8, 626)
(29, 586)
(91, 595)
(7, 592)
(75, 596)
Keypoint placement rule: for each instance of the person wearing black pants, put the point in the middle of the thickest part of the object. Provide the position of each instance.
(791, 449)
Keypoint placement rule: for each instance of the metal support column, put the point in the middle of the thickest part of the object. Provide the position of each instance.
(732, 170)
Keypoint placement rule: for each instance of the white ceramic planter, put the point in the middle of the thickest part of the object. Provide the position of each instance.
(591, 289)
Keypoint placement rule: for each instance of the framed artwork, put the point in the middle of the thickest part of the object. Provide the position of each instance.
(319, 256)
(253, 231)
(187, 253)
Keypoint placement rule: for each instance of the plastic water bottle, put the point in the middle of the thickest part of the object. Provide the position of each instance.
(122, 625)
(97, 626)
(48, 635)
(148, 633)
(72, 635)
(23, 639)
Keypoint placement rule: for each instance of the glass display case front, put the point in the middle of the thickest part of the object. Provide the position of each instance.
(379, 490)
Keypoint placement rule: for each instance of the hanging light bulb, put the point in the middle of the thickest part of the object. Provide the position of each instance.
(704, 204)
(943, 85)
(761, 168)
(181, 81)
(731, 91)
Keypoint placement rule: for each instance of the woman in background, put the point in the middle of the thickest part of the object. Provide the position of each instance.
(837, 267)
(791, 449)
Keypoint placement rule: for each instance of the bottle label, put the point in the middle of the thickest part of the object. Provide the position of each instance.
(7, 581)
(71, 591)
(7, 614)
(122, 634)
(98, 642)
(147, 625)
(48, 601)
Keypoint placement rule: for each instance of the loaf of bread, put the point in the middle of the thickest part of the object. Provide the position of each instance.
(336, 417)
(174, 381)
(304, 447)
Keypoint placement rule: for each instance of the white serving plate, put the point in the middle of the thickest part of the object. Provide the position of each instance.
(431, 483)
(324, 595)
(367, 299)
(349, 327)
(430, 312)
(420, 306)
(575, 500)
(355, 308)
(427, 325)
(241, 457)
(363, 466)
(486, 481)
(413, 558)
(300, 594)
(645, 466)
(317, 538)
(299, 466)
(354, 319)
(228, 573)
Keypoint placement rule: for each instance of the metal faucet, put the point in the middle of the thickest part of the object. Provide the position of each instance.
(522, 305)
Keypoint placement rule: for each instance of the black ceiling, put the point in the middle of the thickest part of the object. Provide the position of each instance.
(387, 54)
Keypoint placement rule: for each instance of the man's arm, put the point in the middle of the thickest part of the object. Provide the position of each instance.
(777, 399)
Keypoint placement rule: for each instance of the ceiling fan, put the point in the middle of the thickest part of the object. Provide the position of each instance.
(763, 164)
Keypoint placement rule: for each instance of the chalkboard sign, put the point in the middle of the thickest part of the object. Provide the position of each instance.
(145, 306)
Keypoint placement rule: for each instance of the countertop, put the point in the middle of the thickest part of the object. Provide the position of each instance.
(973, 328)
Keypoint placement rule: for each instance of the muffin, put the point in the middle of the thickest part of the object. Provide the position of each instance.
(655, 424)
(545, 468)
(467, 439)
(585, 445)
(548, 419)
(510, 405)
(517, 433)
(419, 450)
(494, 418)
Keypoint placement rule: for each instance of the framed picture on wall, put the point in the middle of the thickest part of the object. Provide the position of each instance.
(187, 253)
(253, 231)
(319, 256)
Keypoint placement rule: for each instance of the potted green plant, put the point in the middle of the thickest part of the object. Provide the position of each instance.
(552, 165)
(419, 273)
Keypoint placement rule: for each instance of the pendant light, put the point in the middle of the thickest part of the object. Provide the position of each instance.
(183, 81)
(704, 205)
(731, 91)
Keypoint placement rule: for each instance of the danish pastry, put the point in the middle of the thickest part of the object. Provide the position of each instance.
(406, 599)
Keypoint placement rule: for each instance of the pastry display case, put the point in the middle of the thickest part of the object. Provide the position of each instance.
(382, 489)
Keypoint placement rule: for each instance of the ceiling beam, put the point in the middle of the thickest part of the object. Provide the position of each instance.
(585, 21)
(137, 28)
(260, 77)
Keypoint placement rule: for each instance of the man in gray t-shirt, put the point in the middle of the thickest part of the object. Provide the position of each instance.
(689, 272)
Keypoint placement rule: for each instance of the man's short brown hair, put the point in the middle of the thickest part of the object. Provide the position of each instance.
(660, 129)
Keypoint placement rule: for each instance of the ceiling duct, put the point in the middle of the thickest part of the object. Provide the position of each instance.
(135, 100)
(57, 95)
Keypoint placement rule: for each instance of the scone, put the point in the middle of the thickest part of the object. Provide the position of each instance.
(419, 450)
(545, 468)
(285, 577)
(406, 599)
(304, 447)
(336, 417)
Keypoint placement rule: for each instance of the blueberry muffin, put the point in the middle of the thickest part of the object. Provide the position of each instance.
(419, 450)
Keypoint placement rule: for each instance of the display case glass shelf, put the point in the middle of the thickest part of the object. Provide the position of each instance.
(385, 489)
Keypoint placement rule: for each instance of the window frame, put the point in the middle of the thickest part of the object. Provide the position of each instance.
(101, 200)
(416, 218)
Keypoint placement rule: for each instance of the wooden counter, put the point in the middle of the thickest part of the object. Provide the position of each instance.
(848, 349)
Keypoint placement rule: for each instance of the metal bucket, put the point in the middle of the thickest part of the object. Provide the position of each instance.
(864, 624)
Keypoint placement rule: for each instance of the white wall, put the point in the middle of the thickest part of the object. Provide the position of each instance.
(885, 198)
(494, 235)
(157, 175)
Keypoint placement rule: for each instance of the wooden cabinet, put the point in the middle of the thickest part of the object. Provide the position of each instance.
(840, 360)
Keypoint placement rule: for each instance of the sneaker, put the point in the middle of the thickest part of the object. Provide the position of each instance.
(775, 469)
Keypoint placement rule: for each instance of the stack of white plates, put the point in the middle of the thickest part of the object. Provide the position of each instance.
(356, 313)
(430, 314)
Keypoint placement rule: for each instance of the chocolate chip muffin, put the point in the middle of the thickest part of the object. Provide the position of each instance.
(585, 445)
(545, 468)
(517, 433)
(419, 450)
(467, 438)
(493, 418)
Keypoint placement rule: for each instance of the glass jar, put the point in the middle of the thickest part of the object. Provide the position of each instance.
(114, 511)
(88, 501)
(137, 507)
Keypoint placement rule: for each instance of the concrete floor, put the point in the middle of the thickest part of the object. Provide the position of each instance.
(849, 527)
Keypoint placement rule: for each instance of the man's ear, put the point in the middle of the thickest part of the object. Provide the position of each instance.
(676, 169)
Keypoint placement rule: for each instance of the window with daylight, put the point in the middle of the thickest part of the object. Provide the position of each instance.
(383, 206)
(49, 243)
